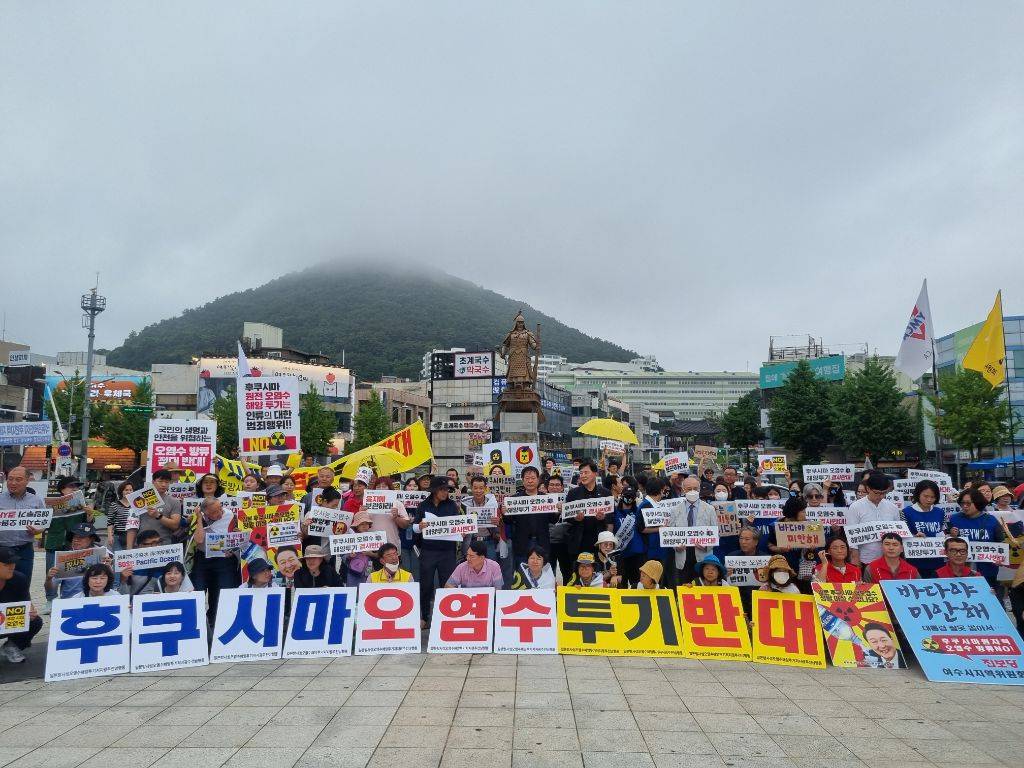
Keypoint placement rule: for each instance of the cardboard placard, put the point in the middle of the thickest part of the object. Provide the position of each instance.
(743, 570)
(351, 543)
(541, 504)
(799, 535)
(462, 621)
(589, 507)
(525, 621)
(145, 558)
(834, 473)
(388, 619)
(696, 536)
(870, 533)
(444, 528)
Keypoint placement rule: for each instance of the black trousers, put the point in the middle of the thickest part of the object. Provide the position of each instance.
(23, 640)
(439, 562)
(629, 569)
(560, 556)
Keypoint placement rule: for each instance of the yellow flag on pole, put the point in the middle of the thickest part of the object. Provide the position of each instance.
(987, 354)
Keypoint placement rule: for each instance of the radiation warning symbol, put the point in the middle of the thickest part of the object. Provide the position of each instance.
(524, 454)
(187, 476)
(277, 440)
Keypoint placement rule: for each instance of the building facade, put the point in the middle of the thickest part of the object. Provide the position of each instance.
(404, 402)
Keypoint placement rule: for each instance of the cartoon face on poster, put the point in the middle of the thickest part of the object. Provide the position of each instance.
(497, 459)
(274, 536)
(857, 626)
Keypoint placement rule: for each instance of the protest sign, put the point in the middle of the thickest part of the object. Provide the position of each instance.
(743, 570)
(462, 621)
(656, 516)
(704, 452)
(728, 520)
(541, 504)
(181, 491)
(510, 458)
(772, 463)
(919, 547)
(268, 415)
(254, 499)
(525, 621)
(948, 510)
(695, 536)
(144, 499)
(249, 625)
(835, 473)
(676, 462)
(324, 521)
(799, 535)
(904, 487)
(929, 474)
(500, 485)
(14, 617)
(169, 631)
(351, 543)
(869, 533)
(148, 557)
(376, 502)
(786, 630)
(764, 508)
(615, 622)
(858, 629)
(220, 544)
(283, 534)
(26, 433)
(616, 447)
(189, 443)
(71, 565)
(450, 527)
(486, 514)
(958, 630)
(20, 519)
(589, 507)
(321, 624)
(89, 636)
(826, 514)
(260, 517)
(388, 619)
(73, 505)
(713, 624)
(988, 552)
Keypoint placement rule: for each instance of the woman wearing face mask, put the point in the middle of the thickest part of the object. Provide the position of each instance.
(629, 525)
(657, 488)
(801, 560)
(892, 564)
(779, 577)
(609, 567)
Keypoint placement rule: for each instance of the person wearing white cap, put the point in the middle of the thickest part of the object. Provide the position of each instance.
(273, 474)
(353, 501)
(606, 544)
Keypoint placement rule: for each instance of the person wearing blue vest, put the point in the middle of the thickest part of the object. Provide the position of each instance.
(973, 523)
(924, 520)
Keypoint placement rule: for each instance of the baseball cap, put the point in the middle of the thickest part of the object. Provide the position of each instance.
(64, 482)
(7, 555)
(275, 490)
(259, 565)
(84, 529)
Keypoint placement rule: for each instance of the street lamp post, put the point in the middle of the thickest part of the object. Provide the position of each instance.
(92, 305)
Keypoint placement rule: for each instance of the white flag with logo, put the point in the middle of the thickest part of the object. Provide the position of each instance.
(915, 357)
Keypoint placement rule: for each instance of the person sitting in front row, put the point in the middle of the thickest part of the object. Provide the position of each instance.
(892, 564)
(391, 571)
(476, 570)
(711, 572)
(535, 573)
(956, 566)
(779, 576)
(14, 589)
(585, 574)
(650, 575)
(260, 574)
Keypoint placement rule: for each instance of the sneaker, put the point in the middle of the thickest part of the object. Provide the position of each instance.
(12, 653)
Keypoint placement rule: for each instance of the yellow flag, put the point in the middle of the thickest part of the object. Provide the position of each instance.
(987, 354)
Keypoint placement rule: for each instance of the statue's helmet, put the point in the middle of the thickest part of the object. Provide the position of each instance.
(520, 320)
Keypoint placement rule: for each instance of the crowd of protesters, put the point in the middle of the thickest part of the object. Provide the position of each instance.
(617, 550)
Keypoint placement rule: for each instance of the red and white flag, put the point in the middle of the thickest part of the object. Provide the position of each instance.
(917, 349)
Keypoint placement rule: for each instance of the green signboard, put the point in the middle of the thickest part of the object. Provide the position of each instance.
(832, 368)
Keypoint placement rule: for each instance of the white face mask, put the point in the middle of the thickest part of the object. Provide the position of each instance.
(780, 577)
(692, 496)
(392, 567)
(721, 496)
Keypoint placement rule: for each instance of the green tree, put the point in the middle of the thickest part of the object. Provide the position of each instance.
(316, 424)
(799, 414)
(225, 413)
(869, 416)
(970, 412)
(741, 423)
(371, 424)
(69, 400)
(130, 430)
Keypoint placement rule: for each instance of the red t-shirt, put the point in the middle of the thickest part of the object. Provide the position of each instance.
(946, 572)
(879, 571)
(833, 575)
(352, 504)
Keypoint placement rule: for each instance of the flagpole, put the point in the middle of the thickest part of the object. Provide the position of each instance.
(1009, 398)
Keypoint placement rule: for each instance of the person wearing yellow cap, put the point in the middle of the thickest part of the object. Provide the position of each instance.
(650, 575)
(585, 574)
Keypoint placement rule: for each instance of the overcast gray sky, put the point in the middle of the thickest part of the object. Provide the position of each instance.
(682, 178)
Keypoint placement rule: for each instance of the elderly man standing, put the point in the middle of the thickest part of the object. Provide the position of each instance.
(324, 479)
(691, 513)
(17, 496)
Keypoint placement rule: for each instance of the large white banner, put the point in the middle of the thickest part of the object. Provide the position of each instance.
(525, 621)
(249, 625)
(26, 433)
(169, 631)
(89, 636)
(462, 621)
(148, 557)
(20, 519)
(388, 619)
(541, 504)
(322, 623)
(268, 415)
(189, 443)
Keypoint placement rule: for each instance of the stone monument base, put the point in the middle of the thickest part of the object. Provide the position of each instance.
(518, 427)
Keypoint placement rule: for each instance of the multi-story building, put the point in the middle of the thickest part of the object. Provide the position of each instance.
(598, 404)
(949, 352)
(548, 363)
(428, 360)
(674, 394)
(405, 402)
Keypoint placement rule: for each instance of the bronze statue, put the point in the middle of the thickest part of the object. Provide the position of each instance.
(520, 394)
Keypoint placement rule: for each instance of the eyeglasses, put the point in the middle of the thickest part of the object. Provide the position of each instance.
(957, 551)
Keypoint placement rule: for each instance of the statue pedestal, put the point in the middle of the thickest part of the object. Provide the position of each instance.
(519, 427)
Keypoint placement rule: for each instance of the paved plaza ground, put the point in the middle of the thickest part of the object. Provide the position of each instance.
(490, 711)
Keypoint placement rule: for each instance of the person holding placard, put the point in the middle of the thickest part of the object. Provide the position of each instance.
(586, 574)
(163, 521)
(15, 495)
(873, 508)
(749, 546)
(892, 564)
(437, 556)
(582, 533)
(925, 521)
(218, 569)
(835, 566)
(69, 510)
(606, 544)
(14, 588)
(315, 571)
(656, 490)
(530, 530)
(144, 580)
(117, 518)
(324, 479)
(691, 513)
(779, 577)
(973, 523)
(558, 555)
(81, 537)
(629, 524)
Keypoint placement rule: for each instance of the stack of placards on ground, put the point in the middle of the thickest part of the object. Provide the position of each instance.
(956, 627)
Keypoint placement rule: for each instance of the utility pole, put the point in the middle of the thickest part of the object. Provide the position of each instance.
(92, 305)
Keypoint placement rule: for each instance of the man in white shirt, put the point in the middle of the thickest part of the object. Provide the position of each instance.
(691, 513)
(873, 508)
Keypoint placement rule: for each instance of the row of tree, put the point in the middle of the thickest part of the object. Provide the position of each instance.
(868, 415)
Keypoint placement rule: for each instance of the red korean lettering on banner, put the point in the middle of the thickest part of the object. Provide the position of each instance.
(525, 625)
(714, 618)
(388, 629)
(464, 618)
